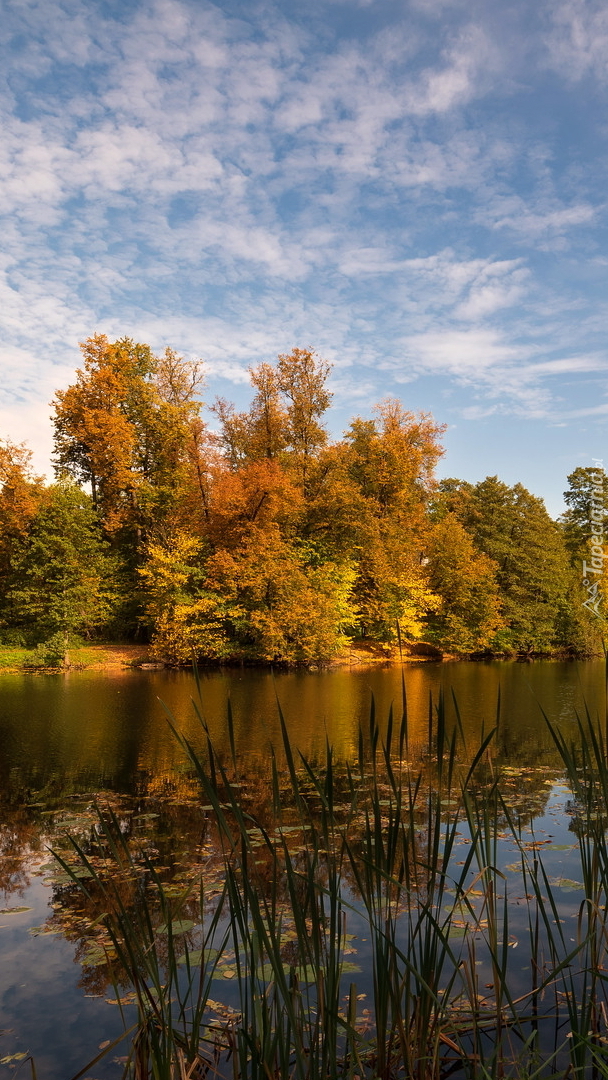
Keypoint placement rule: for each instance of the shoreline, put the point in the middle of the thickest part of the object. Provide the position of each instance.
(114, 657)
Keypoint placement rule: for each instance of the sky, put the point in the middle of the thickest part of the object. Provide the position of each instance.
(415, 189)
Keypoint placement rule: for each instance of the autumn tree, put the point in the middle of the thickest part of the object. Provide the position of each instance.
(302, 379)
(287, 607)
(185, 619)
(260, 600)
(258, 495)
(468, 614)
(125, 427)
(261, 432)
(284, 418)
(20, 494)
(391, 461)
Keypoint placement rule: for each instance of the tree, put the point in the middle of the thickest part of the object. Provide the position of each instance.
(262, 600)
(284, 419)
(393, 458)
(512, 527)
(62, 576)
(259, 495)
(125, 428)
(20, 489)
(391, 461)
(262, 431)
(185, 619)
(285, 608)
(585, 533)
(20, 494)
(301, 378)
(468, 616)
(587, 502)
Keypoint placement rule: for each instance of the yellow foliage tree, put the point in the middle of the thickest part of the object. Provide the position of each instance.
(184, 620)
(126, 427)
(391, 461)
(285, 610)
(468, 615)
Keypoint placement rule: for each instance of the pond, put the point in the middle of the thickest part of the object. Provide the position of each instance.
(73, 741)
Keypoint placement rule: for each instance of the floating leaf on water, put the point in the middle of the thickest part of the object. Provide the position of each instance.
(174, 890)
(96, 956)
(197, 955)
(13, 910)
(63, 878)
(126, 999)
(178, 926)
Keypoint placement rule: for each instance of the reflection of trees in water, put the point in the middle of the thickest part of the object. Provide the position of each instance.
(166, 827)
(156, 840)
(20, 843)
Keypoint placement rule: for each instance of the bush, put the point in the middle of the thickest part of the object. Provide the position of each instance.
(52, 653)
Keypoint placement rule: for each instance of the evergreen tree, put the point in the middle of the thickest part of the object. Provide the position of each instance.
(62, 577)
(588, 487)
(512, 527)
(585, 527)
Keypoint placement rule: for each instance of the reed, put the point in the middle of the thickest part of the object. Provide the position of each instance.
(371, 845)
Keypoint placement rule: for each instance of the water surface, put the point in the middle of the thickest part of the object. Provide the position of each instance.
(95, 729)
(68, 740)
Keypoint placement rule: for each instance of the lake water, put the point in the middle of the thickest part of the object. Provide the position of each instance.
(87, 729)
(64, 739)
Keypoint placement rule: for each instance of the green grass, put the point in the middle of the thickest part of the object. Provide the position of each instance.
(12, 657)
(16, 658)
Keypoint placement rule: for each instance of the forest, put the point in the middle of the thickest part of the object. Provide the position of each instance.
(252, 536)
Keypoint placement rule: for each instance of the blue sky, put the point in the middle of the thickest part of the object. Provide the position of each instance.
(418, 190)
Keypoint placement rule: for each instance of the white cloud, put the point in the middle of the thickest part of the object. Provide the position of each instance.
(578, 39)
(534, 219)
(236, 186)
(440, 89)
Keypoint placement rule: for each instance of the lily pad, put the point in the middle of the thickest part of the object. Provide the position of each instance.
(178, 926)
(197, 955)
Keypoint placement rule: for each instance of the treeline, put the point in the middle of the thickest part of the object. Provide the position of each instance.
(255, 536)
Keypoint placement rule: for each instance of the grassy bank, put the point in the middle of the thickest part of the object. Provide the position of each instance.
(114, 655)
(14, 659)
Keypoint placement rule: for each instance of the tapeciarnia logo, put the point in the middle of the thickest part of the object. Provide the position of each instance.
(594, 569)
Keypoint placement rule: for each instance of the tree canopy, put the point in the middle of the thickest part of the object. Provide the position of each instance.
(254, 534)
